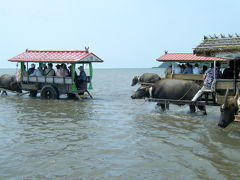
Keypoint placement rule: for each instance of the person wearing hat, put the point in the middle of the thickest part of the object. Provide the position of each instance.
(188, 69)
(82, 79)
(37, 72)
(49, 71)
(31, 70)
(82, 75)
(63, 70)
(58, 70)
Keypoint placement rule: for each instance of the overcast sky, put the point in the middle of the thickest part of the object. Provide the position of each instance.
(124, 33)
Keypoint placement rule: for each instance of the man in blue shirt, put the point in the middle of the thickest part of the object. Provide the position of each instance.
(188, 69)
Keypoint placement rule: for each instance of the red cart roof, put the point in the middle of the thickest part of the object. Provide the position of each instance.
(178, 57)
(68, 56)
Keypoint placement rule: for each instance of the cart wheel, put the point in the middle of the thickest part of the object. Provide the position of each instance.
(33, 93)
(49, 92)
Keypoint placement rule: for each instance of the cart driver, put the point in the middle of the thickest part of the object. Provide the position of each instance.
(82, 79)
(208, 83)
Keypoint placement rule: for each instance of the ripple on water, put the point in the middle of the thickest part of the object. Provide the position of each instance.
(113, 137)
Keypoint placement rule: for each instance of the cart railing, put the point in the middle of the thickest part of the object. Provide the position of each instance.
(48, 79)
(194, 77)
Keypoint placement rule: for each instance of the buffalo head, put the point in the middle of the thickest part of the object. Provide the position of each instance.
(141, 92)
(15, 86)
(228, 110)
(9, 82)
(135, 80)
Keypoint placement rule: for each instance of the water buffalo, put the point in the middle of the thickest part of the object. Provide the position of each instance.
(146, 78)
(228, 109)
(170, 89)
(9, 82)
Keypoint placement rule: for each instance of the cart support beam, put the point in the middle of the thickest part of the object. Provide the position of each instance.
(91, 76)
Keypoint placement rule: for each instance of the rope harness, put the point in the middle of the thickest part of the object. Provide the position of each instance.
(150, 96)
(185, 93)
(141, 103)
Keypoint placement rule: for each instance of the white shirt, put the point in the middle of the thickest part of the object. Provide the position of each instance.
(36, 72)
(178, 70)
(196, 70)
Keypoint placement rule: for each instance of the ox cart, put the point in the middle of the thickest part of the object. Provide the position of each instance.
(224, 92)
(227, 90)
(210, 97)
(52, 86)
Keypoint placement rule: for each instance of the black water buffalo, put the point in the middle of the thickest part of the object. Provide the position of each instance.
(146, 78)
(228, 109)
(9, 82)
(170, 89)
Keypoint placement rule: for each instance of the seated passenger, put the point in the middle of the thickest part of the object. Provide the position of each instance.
(178, 69)
(203, 70)
(58, 70)
(44, 67)
(183, 67)
(37, 72)
(196, 69)
(188, 69)
(49, 71)
(32, 69)
(63, 70)
(228, 73)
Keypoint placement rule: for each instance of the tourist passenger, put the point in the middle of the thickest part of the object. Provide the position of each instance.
(32, 69)
(37, 72)
(49, 71)
(208, 83)
(188, 69)
(63, 70)
(178, 69)
(58, 70)
(44, 67)
(228, 73)
(196, 69)
(203, 70)
(183, 67)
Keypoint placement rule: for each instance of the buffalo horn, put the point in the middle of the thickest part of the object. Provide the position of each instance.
(225, 98)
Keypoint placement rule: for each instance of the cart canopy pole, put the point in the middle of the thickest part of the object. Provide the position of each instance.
(91, 76)
(22, 69)
(74, 88)
(234, 77)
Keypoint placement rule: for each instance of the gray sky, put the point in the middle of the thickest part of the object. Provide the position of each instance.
(124, 33)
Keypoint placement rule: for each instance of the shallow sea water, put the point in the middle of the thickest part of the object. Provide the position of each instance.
(113, 137)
